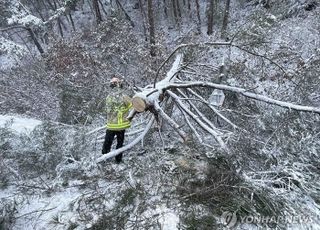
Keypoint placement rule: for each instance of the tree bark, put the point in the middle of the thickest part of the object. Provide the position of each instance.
(35, 40)
(225, 20)
(151, 29)
(178, 8)
(97, 11)
(72, 22)
(165, 8)
(125, 13)
(198, 16)
(144, 18)
(210, 17)
(174, 9)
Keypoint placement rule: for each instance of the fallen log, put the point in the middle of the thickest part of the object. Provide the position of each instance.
(182, 94)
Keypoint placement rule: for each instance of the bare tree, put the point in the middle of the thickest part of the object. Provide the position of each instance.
(225, 19)
(37, 27)
(165, 8)
(210, 17)
(198, 16)
(97, 11)
(125, 13)
(151, 28)
(178, 8)
(174, 9)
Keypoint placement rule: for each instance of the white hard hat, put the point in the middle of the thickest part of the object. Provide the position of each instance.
(115, 80)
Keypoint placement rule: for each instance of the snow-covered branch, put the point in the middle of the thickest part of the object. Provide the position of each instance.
(245, 92)
(128, 146)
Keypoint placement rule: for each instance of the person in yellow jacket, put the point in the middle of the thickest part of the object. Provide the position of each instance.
(117, 108)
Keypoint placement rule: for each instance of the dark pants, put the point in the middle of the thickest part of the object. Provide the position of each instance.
(109, 139)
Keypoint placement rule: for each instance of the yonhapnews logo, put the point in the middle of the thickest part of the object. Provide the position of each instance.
(230, 219)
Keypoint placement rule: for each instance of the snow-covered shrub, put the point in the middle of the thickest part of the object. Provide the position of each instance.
(119, 46)
(4, 12)
(7, 212)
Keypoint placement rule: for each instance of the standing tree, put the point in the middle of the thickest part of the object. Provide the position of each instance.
(225, 19)
(125, 12)
(210, 16)
(36, 27)
(97, 11)
(198, 16)
(151, 29)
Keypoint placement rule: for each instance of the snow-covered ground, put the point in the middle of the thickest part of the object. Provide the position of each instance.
(73, 192)
(19, 124)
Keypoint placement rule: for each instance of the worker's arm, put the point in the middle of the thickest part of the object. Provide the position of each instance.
(127, 101)
(132, 113)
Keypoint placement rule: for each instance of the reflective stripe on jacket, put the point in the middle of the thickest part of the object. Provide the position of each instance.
(117, 108)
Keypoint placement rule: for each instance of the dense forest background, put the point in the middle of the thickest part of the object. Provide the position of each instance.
(56, 60)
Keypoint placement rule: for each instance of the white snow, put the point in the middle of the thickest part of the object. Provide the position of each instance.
(11, 53)
(28, 21)
(39, 213)
(19, 124)
(168, 219)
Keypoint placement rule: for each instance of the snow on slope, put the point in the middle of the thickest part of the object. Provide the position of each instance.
(19, 124)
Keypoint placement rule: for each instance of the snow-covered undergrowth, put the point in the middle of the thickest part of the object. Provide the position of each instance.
(18, 124)
(11, 53)
(48, 178)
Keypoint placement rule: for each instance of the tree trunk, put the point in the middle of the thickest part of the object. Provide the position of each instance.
(125, 13)
(165, 8)
(174, 9)
(35, 40)
(151, 28)
(72, 22)
(58, 20)
(178, 8)
(97, 11)
(143, 14)
(225, 20)
(198, 16)
(210, 17)
(60, 27)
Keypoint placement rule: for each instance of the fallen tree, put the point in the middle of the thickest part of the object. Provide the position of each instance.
(181, 93)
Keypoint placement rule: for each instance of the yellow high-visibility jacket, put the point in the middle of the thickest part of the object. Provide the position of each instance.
(117, 108)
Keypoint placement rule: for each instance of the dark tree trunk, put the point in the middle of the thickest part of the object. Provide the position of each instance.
(35, 40)
(72, 22)
(210, 17)
(125, 13)
(151, 28)
(165, 8)
(102, 7)
(143, 14)
(174, 8)
(60, 27)
(198, 16)
(97, 11)
(225, 20)
(178, 8)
